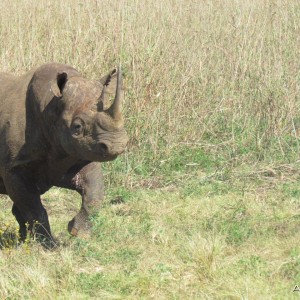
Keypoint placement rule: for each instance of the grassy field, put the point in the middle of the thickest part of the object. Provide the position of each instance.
(205, 203)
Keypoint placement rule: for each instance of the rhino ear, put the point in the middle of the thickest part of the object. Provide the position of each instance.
(58, 84)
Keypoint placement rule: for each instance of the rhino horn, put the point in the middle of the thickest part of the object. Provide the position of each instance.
(116, 108)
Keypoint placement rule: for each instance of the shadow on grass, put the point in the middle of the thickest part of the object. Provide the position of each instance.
(117, 200)
(9, 239)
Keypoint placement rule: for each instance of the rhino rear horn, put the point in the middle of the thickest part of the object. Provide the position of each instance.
(108, 82)
(112, 83)
(58, 84)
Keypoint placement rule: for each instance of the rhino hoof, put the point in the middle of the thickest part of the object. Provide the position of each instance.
(78, 232)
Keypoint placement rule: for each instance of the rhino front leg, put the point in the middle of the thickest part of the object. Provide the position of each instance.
(27, 207)
(87, 180)
(22, 222)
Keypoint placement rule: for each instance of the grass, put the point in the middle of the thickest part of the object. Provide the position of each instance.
(157, 243)
(204, 204)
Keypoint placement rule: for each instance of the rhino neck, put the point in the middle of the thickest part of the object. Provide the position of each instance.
(58, 165)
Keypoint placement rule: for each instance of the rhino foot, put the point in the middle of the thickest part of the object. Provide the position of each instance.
(80, 225)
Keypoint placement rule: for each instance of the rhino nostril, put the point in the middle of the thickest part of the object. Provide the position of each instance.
(103, 147)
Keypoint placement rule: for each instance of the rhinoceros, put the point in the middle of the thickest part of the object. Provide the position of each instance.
(55, 130)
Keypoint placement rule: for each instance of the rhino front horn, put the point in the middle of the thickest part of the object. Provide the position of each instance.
(116, 108)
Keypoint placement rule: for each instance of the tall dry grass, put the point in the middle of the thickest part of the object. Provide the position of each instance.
(223, 75)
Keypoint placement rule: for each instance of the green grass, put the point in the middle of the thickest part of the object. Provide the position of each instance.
(204, 203)
(160, 244)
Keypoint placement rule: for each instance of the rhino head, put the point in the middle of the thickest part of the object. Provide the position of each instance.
(85, 129)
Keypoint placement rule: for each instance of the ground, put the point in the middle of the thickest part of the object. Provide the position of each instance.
(203, 238)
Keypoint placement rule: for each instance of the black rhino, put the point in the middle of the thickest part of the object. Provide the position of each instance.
(54, 131)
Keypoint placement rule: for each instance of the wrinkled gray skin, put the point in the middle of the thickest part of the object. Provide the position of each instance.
(54, 131)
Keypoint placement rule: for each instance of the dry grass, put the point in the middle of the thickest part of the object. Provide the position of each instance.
(198, 73)
(212, 109)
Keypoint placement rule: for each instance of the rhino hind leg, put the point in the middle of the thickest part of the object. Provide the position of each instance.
(87, 180)
(27, 208)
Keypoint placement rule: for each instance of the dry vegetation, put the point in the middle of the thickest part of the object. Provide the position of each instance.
(212, 108)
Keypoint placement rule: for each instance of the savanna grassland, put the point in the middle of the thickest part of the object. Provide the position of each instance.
(205, 202)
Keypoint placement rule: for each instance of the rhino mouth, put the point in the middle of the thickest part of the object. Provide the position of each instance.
(96, 156)
(107, 157)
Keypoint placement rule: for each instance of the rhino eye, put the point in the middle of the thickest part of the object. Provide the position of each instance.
(77, 128)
